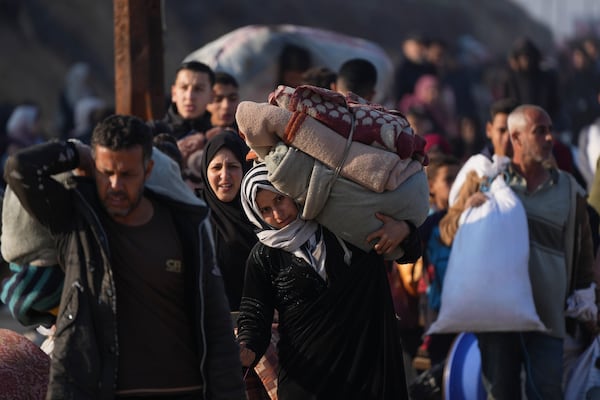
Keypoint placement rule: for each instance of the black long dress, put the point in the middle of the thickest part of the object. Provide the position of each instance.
(338, 338)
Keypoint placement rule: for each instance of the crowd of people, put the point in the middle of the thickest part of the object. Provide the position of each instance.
(164, 261)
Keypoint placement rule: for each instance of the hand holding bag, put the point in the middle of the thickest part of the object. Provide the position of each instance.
(487, 286)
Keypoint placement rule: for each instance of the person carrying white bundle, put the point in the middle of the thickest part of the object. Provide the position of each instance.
(560, 266)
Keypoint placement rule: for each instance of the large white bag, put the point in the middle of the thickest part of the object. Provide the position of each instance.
(486, 287)
(251, 53)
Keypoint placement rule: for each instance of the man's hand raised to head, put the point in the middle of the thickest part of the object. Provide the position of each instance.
(86, 161)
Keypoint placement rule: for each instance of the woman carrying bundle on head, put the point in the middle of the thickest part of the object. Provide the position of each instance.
(338, 333)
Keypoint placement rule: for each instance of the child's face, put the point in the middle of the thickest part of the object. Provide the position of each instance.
(276, 209)
(497, 132)
(439, 187)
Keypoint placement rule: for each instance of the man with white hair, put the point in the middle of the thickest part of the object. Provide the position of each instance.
(560, 266)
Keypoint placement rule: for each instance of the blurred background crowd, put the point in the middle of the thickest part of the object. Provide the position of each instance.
(58, 74)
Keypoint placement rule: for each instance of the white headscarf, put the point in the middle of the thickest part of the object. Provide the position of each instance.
(302, 238)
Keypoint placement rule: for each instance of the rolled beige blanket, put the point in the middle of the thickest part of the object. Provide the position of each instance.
(339, 203)
(264, 124)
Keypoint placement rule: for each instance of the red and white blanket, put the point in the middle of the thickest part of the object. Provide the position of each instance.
(373, 124)
(377, 162)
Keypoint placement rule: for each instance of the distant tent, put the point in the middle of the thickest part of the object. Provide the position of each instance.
(251, 53)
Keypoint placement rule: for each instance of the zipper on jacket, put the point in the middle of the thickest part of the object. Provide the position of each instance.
(104, 248)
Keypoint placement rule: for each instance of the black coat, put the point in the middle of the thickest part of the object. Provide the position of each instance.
(86, 347)
(338, 338)
(174, 124)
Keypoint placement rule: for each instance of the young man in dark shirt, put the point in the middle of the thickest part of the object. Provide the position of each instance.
(191, 92)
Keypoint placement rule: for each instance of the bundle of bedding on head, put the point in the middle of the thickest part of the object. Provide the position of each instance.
(319, 122)
(341, 158)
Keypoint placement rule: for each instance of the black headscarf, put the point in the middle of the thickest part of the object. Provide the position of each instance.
(234, 234)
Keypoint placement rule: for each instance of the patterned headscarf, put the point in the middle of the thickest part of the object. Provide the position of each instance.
(301, 238)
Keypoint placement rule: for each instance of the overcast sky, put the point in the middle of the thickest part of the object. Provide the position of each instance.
(561, 15)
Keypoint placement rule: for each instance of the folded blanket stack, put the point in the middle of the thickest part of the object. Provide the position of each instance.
(263, 125)
(307, 135)
(373, 124)
(344, 207)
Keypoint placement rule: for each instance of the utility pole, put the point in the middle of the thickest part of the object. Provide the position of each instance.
(139, 70)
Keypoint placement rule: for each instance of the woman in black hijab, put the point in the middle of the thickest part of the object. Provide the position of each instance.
(223, 166)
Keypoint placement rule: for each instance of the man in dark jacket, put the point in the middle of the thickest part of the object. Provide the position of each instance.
(143, 311)
(191, 92)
